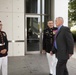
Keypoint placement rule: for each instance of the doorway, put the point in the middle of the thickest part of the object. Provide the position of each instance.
(33, 33)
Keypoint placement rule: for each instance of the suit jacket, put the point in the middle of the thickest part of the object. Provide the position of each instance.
(48, 38)
(65, 43)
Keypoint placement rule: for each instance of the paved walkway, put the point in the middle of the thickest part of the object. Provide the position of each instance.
(35, 65)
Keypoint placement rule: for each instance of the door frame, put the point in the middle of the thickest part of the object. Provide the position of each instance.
(30, 52)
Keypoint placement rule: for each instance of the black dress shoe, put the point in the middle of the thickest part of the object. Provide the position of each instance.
(50, 74)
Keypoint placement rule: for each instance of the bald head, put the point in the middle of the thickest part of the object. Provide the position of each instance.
(50, 24)
(59, 21)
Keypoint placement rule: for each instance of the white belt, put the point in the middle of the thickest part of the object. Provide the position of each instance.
(2, 44)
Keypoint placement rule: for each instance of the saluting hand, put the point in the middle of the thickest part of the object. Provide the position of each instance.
(3, 51)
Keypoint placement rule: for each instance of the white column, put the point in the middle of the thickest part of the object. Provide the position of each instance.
(12, 17)
(61, 10)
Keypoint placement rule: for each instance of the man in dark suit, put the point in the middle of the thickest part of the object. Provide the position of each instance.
(48, 39)
(63, 46)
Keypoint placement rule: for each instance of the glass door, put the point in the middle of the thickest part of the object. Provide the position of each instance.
(33, 33)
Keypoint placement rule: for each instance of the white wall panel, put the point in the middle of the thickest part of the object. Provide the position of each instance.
(12, 17)
(6, 5)
(18, 49)
(18, 5)
(10, 49)
(18, 26)
(6, 19)
(61, 10)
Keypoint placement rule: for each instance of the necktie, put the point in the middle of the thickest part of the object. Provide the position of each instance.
(55, 44)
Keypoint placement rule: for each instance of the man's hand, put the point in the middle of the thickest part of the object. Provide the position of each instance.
(3, 51)
(51, 52)
(70, 55)
(43, 51)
